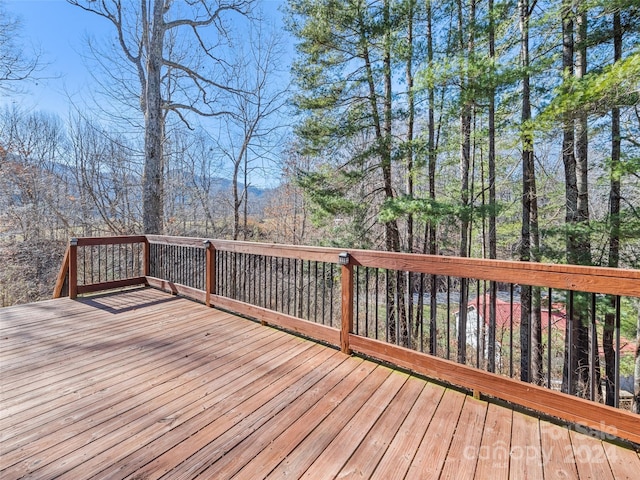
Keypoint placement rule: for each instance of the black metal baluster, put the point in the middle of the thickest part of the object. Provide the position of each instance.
(275, 280)
(324, 292)
(170, 264)
(331, 287)
(448, 318)
(511, 330)
(91, 265)
(410, 309)
(221, 276)
(388, 286)
(616, 400)
(485, 333)
(100, 266)
(288, 286)
(420, 316)
(295, 287)
(357, 301)
(549, 338)
(262, 285)
(203, 269)
(570, 375)
(270, 283)
(479, 344)
(593, 352)
(366, 302)
(315, 305)
(84, 265)
(308, 284)
(377, 303)
(257, 284)
(397, 303)
(183, 264)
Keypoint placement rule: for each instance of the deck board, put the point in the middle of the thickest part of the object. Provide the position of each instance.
(557, 454)
(526, 452)
(462, 459)
(591, 459)
(397, 459)
(314, 444)
(372, 447)
(141, 384)
(431, 454)
(493, 454)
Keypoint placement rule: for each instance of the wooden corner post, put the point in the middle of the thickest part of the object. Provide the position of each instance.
(146, 260)
(347, 301)
(73, 268)
(63, 277)
(210, 273)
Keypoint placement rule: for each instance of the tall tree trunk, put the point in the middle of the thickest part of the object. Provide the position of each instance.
(245, 229)
(527, 190)
(382, 125)
(410, 168)
(432, 157)
(614, 227)
(530, 327)
(583, 253)
(571, 198)
(391, 227)
(410, 121)
(153, 174)
(236, 199)
(582, 143)
(493, 241)
(392, 231)
(465, 163)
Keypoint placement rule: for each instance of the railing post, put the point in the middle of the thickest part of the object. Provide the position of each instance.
(146, 265)
(210, 273)
(63, 276)
(73, 268)
(347, 301)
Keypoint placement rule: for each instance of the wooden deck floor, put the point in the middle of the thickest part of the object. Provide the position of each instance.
(146, 385)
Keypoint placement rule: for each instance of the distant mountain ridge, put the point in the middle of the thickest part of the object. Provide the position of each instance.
(218, 184)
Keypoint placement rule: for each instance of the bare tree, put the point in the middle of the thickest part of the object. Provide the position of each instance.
(17, 63)
(29, 172)
(107, 179)
(194, 186)
(177, 67)
(287, 208)
(33, 204)
(251, 129)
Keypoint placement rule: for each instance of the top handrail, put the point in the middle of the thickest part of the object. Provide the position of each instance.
(601, 280)
(115, 240)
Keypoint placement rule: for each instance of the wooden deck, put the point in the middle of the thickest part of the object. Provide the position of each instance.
(141, 384)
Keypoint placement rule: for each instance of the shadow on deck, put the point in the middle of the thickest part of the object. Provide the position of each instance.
(141, 384)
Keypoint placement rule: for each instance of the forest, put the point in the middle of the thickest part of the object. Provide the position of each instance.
(506, 130)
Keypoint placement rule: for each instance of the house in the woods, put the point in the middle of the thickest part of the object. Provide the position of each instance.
(507, 326)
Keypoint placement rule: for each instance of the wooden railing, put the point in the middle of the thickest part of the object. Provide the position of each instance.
(102, 263)
(529, 333)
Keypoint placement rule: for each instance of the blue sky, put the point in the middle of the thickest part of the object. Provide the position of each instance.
(60, 31)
